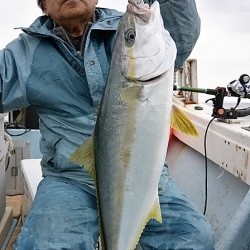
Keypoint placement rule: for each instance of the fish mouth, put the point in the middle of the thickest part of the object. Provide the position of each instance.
(145, 80)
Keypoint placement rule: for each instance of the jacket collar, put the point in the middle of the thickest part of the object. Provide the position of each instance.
(106, 19)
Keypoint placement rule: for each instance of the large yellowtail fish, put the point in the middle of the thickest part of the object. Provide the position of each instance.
(126, 154)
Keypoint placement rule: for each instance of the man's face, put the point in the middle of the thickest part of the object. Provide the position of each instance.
(63, 11)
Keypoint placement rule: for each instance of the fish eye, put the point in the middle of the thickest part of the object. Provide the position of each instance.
(130, 35)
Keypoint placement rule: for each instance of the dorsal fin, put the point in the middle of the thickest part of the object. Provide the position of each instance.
(85, 156)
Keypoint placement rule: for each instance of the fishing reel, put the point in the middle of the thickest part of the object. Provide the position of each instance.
(239, 88)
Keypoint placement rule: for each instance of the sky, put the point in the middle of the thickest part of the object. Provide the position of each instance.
(222, 50)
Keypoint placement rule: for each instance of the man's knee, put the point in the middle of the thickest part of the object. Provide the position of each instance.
(204, 236)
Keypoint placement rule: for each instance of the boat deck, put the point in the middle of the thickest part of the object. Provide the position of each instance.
(14, 202)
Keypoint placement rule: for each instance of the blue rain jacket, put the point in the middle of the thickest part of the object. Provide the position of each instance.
(41, 69)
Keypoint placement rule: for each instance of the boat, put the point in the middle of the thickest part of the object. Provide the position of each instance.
(213, 168)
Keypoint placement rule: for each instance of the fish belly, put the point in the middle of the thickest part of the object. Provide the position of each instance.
(130, 154)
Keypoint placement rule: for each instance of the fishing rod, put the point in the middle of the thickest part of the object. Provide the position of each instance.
(239, 88)
(196, 90)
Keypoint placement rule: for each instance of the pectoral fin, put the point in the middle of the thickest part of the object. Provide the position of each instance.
(181, 122)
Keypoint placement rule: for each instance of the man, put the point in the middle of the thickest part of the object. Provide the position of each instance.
(60, 65)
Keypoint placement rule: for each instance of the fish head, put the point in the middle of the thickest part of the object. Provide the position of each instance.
(146, 48)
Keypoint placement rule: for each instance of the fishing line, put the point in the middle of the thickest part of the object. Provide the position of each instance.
(206, 165)
(7, 164)
(9, 126)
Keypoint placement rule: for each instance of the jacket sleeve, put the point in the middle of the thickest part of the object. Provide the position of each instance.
(182, 20)
(14, 71)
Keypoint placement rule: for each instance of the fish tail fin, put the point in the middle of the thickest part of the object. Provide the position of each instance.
(85, 156)
(181, 122)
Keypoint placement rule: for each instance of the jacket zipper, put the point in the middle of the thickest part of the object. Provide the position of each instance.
(84, 37)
